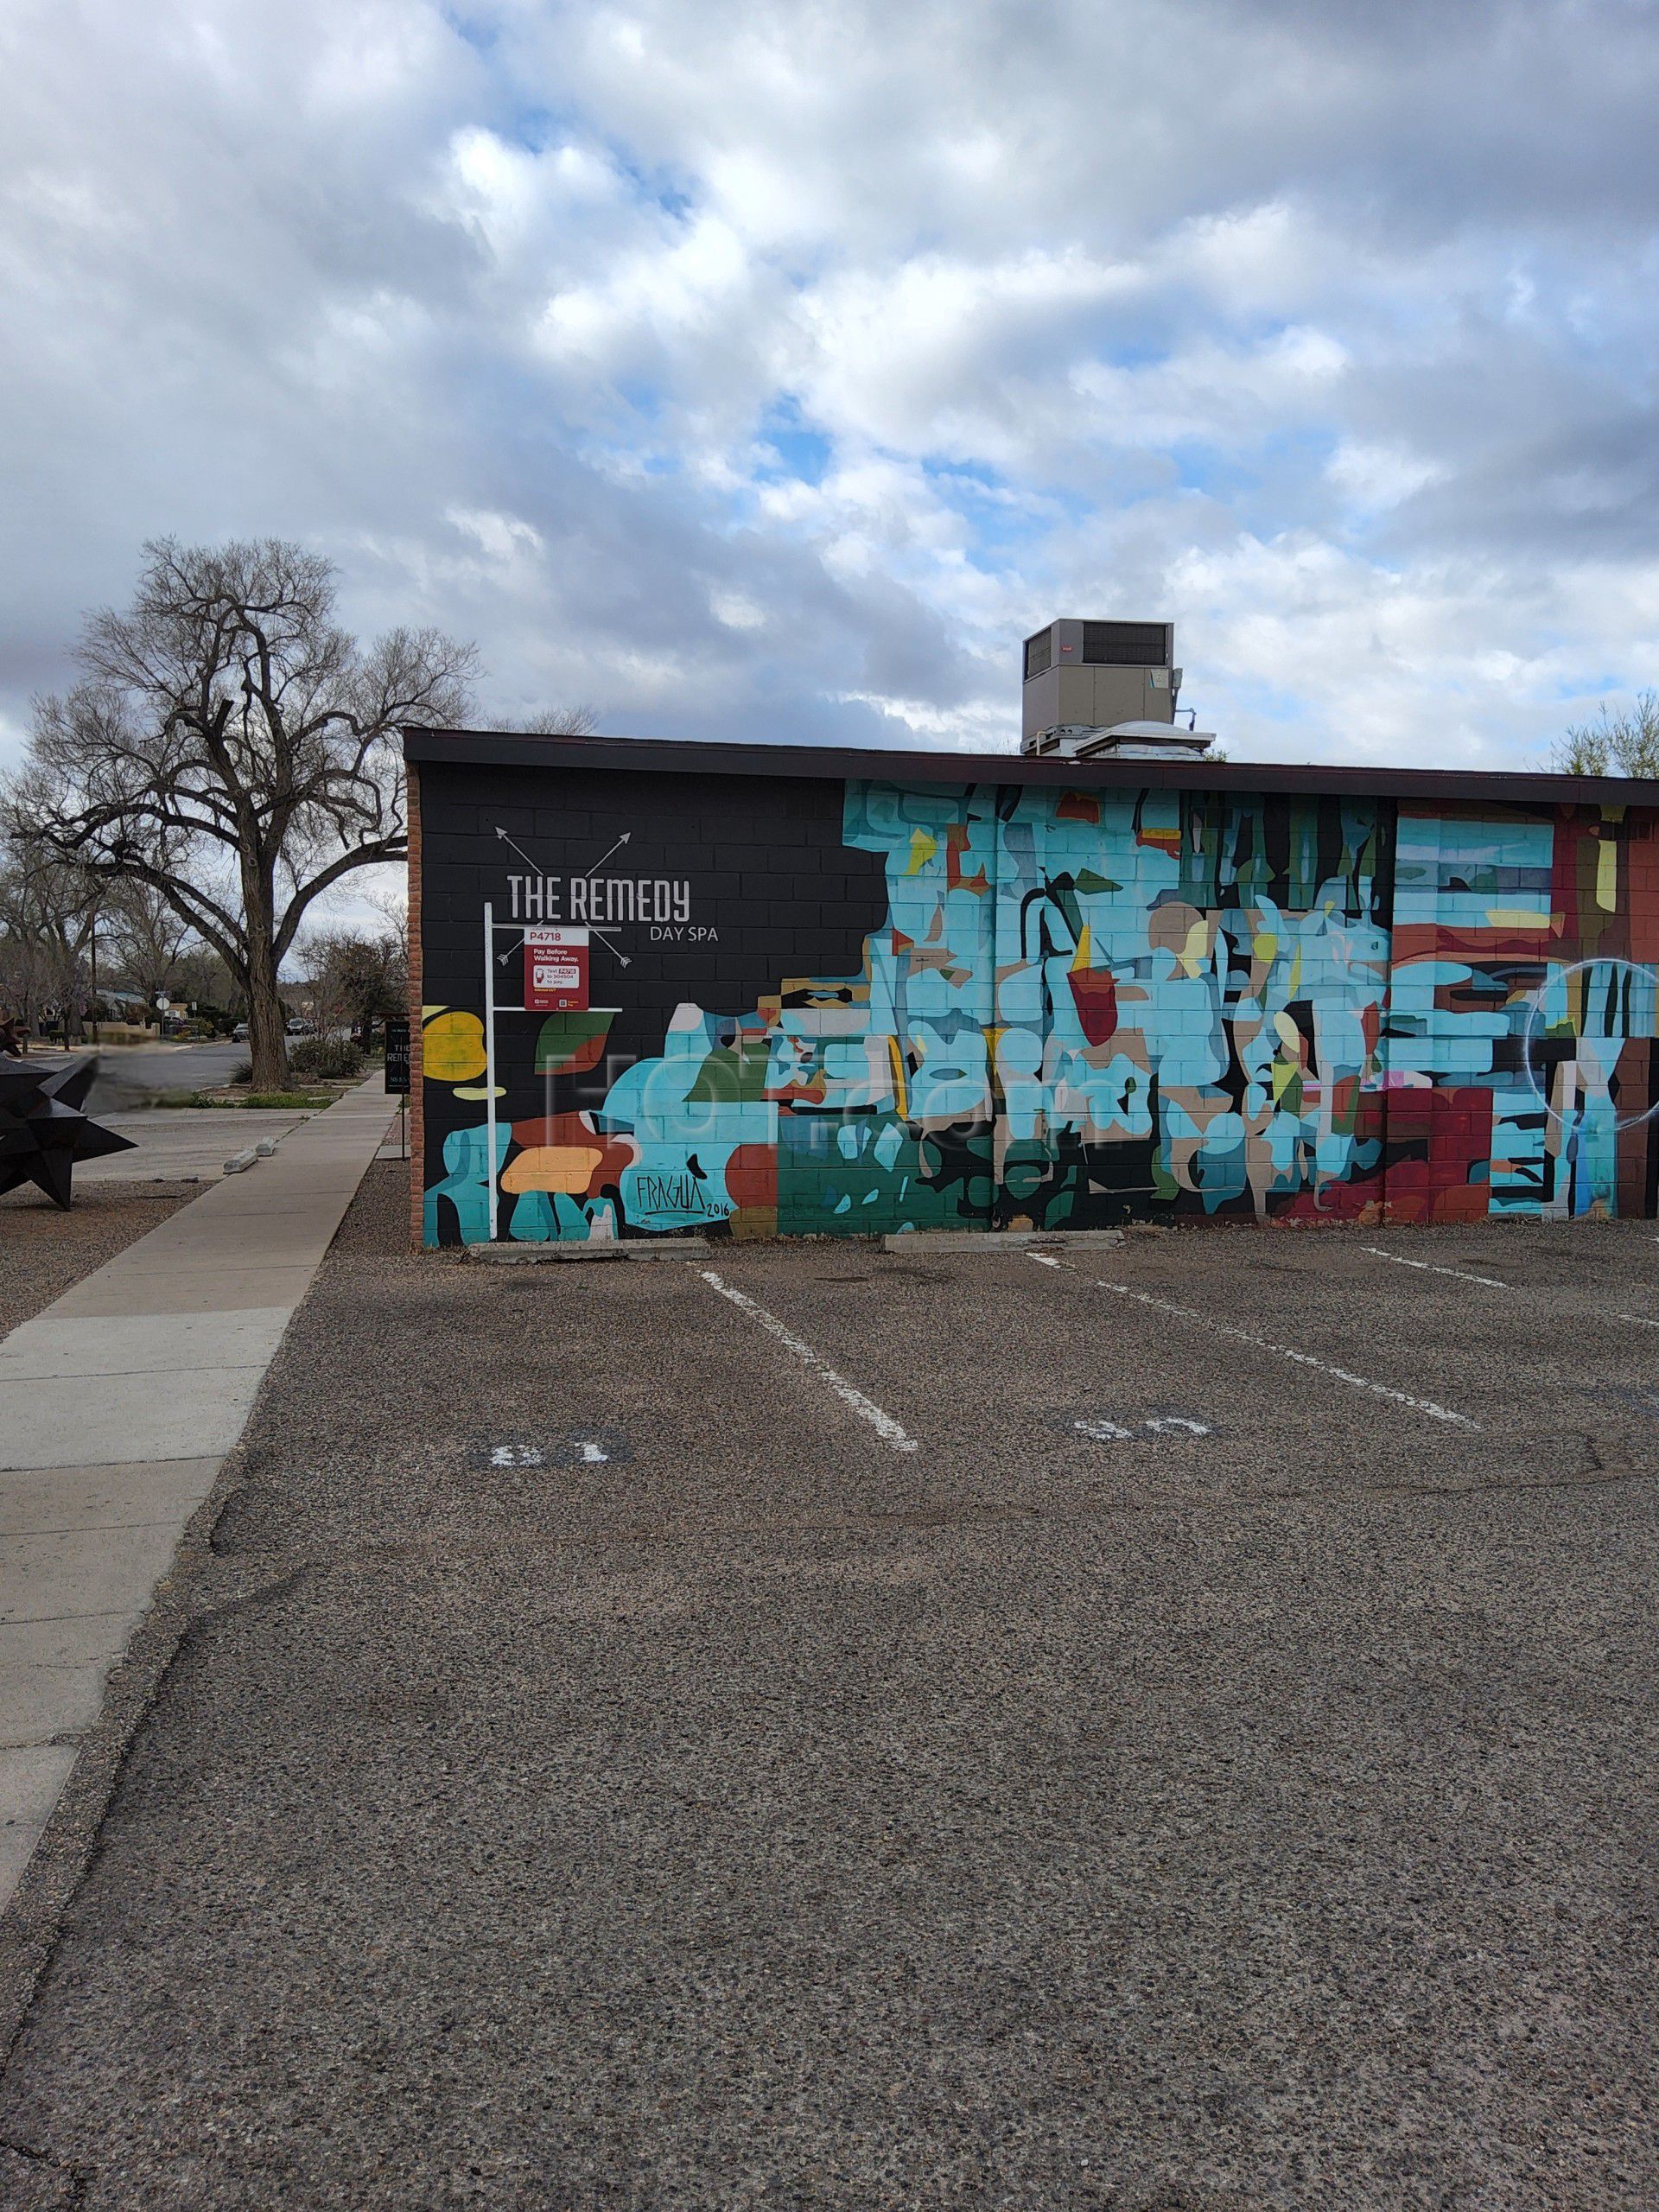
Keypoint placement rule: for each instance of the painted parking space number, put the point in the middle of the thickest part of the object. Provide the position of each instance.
(572, 1450)
(1102, 1431)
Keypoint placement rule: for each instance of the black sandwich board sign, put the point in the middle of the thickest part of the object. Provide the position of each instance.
(397, 1057)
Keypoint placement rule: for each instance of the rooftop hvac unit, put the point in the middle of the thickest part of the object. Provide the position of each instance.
(1096, 675)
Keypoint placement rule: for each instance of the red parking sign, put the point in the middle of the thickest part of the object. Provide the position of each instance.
(555, 971)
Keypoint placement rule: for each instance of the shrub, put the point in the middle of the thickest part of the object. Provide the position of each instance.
(326, 1057)
(242, 1072)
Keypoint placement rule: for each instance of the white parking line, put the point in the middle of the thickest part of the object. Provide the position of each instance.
(884, 1424)
(1428, 1267)
(1263, 1344)
(1490, 1281)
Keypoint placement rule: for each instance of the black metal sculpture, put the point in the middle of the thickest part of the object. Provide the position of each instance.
(44, 1129)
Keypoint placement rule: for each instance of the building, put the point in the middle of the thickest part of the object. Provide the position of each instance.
(758, 990)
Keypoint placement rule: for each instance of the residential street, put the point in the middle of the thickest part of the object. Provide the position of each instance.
(130, 1073)
(608, 1766)
(128, 1076)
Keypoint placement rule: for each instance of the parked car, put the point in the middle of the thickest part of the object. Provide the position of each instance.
(239, 1034)
(297, 1026)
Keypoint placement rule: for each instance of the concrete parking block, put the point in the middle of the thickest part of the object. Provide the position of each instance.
(667, 1247)
(986, 1241)
(41, 1501)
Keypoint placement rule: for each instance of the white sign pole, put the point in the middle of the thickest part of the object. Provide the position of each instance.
(489, 1054)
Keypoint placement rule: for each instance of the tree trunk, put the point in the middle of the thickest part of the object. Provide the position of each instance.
(267, 1035)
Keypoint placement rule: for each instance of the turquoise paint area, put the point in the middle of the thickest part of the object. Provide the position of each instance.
(1084, 1006)
(466, 1181)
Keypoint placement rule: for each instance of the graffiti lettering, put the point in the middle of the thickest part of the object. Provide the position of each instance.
(674, 1194)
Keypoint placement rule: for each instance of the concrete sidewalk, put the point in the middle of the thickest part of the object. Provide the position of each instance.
(181, 1144)
(117, 1406)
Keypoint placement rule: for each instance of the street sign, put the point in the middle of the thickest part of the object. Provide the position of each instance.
(555, 971)
(397, 1056)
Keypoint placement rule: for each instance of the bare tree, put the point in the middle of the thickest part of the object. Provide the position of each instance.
(200, 977)
(48, 911)
(1621, 742)
(579, 720)
(393, 906)
(356, 979)
(145, 939)
(234, 749)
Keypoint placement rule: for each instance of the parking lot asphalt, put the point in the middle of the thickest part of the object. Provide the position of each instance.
(1172, 1729)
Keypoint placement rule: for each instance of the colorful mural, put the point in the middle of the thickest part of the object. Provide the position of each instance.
(1083, 1005)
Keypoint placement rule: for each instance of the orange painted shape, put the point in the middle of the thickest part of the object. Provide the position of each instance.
(567, 1167)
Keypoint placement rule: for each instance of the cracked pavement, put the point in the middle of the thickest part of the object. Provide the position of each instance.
(1254, 1810)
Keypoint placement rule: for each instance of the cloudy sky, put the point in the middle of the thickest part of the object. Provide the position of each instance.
(767, 371)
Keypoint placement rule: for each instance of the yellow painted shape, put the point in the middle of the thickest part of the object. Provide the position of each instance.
(480, 1091)
(1293, 990)
(1287, 1033)
(1265, 945)
(1083, 959)
(566, 1168)
(923, 846)
(898, 1089)
(1517, 918)
(452, 1048)
(1607, 875)
(1196, 951)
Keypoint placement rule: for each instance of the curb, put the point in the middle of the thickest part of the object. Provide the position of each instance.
(196, 1585)
(531, 1256)
(981, 1240)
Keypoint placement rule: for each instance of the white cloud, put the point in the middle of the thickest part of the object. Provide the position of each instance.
(737, 610)
(1377, 476)
(505, 540)
(759, 369)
